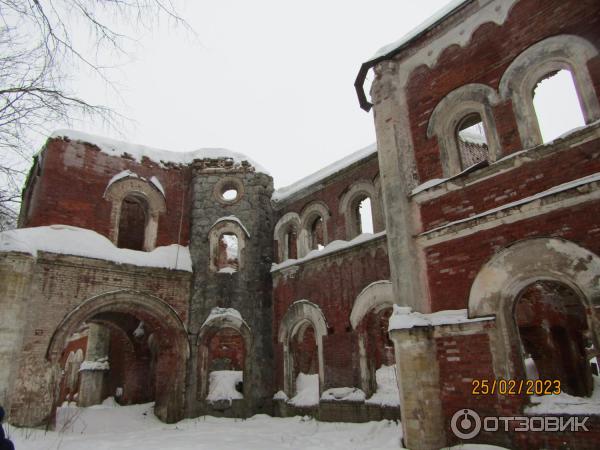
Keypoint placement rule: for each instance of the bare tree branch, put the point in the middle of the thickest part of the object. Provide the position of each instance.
(38, 50)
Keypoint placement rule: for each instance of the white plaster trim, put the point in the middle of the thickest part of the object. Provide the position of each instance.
(232, 219)
(378, 293)
(403, 318)
(493, 11)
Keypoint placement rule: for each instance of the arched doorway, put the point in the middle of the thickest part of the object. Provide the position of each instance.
(370, 317)
(553, 279)
(302, 330)
(555, 337)
(150, 351)
(224, 341)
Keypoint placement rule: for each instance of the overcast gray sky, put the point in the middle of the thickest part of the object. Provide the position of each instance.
(269, 78)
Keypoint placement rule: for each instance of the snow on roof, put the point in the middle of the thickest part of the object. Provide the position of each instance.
(68, 240)
(432, 20)
(232, 219)
(157, 185)
(137, 152)
(403, 317)
(332, 247)
(312, 179)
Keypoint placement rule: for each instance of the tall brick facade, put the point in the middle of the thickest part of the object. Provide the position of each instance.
(481, 272)
(476, 238)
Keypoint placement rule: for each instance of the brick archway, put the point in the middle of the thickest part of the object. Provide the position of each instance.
(375, 297)
(208, 330)
(174, 349)
(298, 315)
(498, 284)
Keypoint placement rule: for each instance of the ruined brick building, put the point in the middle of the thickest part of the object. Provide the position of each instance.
(140, 273)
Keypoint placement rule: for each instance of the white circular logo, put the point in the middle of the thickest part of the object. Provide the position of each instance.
(465, 424)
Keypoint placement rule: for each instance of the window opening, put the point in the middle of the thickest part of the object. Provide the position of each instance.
(132, 223)
(291, 244)
(557, 105)
(472, 141)
(316, 234)
(365, 216)
(230, 194)
(228, 254)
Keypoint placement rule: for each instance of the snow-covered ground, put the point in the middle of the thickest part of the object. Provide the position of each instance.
(112, 427)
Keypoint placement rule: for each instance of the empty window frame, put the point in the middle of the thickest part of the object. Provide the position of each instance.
(132, 222)
(557, 105)
(228, 253)
(471, 141)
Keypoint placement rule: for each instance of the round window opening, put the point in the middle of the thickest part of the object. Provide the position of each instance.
(230, 194)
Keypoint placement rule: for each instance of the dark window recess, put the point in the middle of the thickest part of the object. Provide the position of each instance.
(132, 223)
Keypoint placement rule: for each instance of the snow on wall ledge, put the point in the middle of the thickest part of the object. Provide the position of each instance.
(332, 247)
(138, 152)
(403, 318)
(68, 240)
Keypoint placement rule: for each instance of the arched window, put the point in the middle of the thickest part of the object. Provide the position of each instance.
(472, 142)
(286, 236)
(554, 55)
(136, 207)
(227, 241)
(132, 222)
(291, 243)
(313, 227)
(228, 254)
(316, 234)
(556, 105)
(361, 208)
(363, 215)
(464, 125)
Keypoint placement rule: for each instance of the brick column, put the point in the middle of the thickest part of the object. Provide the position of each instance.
(93, 373)
(418, 382)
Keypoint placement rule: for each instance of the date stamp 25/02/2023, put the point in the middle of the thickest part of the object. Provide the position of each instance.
(515, 387)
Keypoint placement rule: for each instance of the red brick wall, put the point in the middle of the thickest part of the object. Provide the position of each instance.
(528, 179)
(331, 195)
(484, 60)
(332, 283)
(86, 172)
(453, 265)
(461, 360)
(228, 344)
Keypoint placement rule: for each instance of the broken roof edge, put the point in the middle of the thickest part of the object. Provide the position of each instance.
(137, 152)
(315, 180)
(390, 50)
